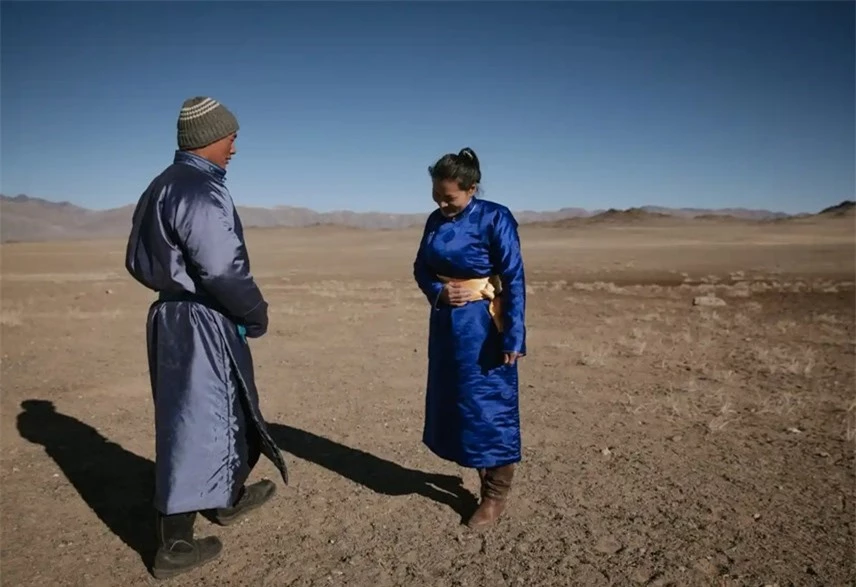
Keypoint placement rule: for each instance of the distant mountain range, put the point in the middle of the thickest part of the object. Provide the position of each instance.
(25, 218)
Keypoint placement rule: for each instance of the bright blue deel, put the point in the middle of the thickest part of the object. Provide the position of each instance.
(471, 408)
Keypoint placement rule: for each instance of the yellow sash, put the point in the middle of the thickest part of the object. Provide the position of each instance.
(483, 288)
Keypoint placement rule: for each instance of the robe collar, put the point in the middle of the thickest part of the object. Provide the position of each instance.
(200, 163)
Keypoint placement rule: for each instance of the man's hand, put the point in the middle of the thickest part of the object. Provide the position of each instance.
(510, 358)
(455, 294)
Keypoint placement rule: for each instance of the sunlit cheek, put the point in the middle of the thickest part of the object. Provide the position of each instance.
(448, 208)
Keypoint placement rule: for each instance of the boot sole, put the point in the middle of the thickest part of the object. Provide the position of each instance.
(227, 521)
(482, 527)
(162, 574)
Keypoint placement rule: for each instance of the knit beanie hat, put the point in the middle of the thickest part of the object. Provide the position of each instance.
(203, 121)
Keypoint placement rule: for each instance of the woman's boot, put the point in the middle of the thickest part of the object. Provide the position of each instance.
(178, 551)
(496, 484)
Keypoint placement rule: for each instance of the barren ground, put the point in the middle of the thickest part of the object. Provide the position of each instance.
(665, 443)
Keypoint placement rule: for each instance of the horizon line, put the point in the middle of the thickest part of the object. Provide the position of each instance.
(4, 196)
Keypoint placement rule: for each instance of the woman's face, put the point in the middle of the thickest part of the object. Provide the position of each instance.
(450, 197)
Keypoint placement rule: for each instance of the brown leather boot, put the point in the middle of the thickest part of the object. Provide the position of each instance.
(496, 484)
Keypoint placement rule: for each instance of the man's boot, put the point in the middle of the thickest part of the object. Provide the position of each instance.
(178, 551)
(252, 496)
(496, 484)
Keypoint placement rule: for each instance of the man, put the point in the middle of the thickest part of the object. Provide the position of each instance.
(187, 244)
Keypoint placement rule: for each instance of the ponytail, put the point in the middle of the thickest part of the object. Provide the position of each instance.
(463, 167)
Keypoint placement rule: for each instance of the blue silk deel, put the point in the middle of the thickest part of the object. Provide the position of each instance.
(187, 244)
(471, 406)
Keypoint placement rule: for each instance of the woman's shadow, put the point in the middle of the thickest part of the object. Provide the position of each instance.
(115, 483)
(377, 474)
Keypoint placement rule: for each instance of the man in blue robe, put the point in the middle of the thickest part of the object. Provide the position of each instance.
(470, 268)
(187, 244)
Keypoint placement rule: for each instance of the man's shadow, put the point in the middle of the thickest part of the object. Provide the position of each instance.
(118, 485)
(115, 483)
(377, 474)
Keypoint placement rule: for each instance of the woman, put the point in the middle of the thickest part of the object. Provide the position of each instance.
(470, 268)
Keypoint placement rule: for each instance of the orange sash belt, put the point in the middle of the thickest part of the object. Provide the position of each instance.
(483, 288)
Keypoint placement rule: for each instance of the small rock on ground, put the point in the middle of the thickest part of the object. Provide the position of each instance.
(608, 545)
(708, 300)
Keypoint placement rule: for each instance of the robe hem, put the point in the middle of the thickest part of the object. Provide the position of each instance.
(471, 464)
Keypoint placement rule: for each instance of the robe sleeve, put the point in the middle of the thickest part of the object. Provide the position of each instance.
(219, 257)
(507, 261)
(425, 278)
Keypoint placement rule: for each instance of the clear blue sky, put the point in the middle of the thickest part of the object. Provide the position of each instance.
(343, 105)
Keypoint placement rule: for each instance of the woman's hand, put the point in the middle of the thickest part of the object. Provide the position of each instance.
(510, 358)
(455, 294)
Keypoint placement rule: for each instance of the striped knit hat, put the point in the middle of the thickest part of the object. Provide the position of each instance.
(203, 121)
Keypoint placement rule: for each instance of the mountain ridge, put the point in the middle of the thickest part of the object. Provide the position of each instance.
(28, 218)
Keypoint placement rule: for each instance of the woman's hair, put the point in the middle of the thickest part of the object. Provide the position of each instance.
(463, 167)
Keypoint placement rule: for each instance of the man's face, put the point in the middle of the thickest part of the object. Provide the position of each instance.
(221, 152)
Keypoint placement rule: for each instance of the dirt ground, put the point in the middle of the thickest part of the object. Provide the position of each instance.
(664, 443)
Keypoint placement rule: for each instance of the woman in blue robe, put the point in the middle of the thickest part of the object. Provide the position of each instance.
(470, 268)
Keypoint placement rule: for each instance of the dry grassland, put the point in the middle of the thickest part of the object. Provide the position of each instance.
(666, 443)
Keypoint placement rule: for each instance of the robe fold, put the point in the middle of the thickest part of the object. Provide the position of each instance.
(187, 244)
(471, 404)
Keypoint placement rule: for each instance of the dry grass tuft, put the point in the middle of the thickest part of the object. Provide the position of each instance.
(636, 342)
(827, 319)
(779, 359)
(738, 290)
(850, 429)
(680, 402)
(785, 326)
(784, 403)
(62, 278)
(635, 347)
(725, 416)
(595, 355)
(608, 287)
(11, 317)
(79, 314)
(754, 306)
(725, 376)
(741, 320)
